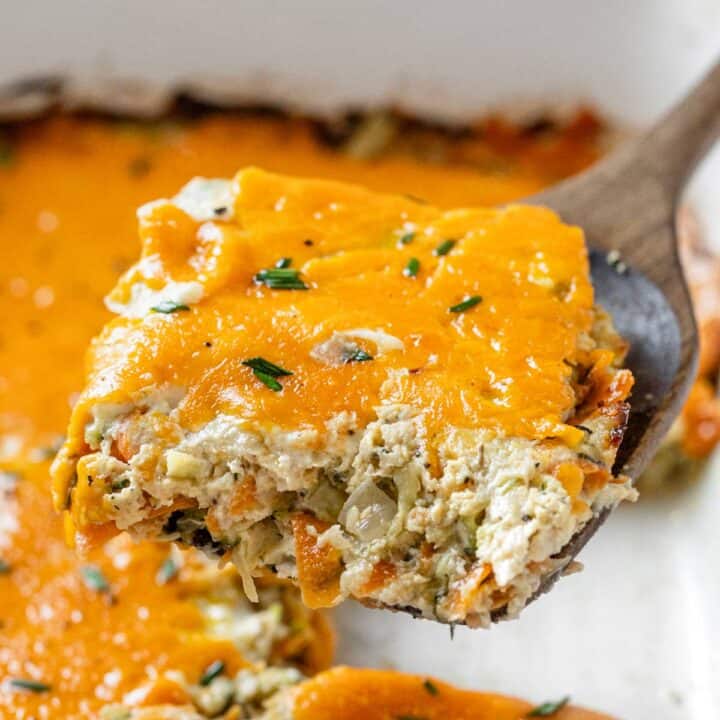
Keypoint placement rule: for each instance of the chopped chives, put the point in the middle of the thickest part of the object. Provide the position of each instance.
(444, 247)
(466, 304)
(139, 166)
(357, 355)
(167, 572)
(265, 366)
(94, 579)
(29, 685)
(407, 238)
(283, 262)
(267, 372)
(169, 306)
(213, 670)
(412, 268)
(549, 708)
(268, 380)
(416, 199)
(431, 687)
(6, 155)
(281, 278)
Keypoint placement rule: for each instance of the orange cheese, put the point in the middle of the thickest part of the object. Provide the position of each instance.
(319, 566)
(482, 335)
(351, 694)
(68, 194)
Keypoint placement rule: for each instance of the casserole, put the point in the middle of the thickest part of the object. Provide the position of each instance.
(431, 449)
(78, 238)
(498, 56)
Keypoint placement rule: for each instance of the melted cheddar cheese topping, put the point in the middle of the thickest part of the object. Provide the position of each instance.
(68, 192)
(353, 694)
(483, 331)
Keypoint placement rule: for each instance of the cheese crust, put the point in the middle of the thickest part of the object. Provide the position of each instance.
(377, 399)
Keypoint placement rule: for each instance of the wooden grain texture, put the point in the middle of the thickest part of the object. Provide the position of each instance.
(628, 204)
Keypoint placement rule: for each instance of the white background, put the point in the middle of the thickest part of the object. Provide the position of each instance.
(638, 633)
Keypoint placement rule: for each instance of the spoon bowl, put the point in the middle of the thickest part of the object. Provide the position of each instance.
(627, 206)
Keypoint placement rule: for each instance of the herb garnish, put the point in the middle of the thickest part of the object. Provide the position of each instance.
(213, 670)
(167, 571)
(412, 268)
(466, 304)
(139, 166)
(444, 248)
(431, 687)
(265, 366)
(94, 579)
(268, 380)
(283, 262)
(4, 567)
(267, 372)
(407, 238)
(281, 278)
(549, 708)
(29, 685)
(6, 154)
(169, 306)
(357, 355)
(416, 199)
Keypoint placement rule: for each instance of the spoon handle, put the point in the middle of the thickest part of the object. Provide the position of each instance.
(680, 140)
(624, 200)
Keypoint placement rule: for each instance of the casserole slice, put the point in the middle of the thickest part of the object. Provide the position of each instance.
(378, 399)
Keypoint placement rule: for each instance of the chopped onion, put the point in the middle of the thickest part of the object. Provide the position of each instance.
(325, 501)
(384, 342)
(368, 512)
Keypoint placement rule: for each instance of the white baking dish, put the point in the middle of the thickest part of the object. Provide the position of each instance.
(638, 633)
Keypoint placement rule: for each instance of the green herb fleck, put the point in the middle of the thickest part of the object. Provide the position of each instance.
(407, 238)
(444, 247)
(283, 262)
(5, 567)
(213, 670)
(431, 687)
(29, 685)
(466, 304)
(268, 380)
(7, 156)
(169, 306)
(549, 708)
(139, 166)
(167, 572)
(281, 278)
(416, 199)
(267, 372)
(356, 355)
(412, 268)
(118, 485)
(94, 579)
(265, 366)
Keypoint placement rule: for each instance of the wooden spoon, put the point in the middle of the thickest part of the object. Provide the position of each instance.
(627, 205)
